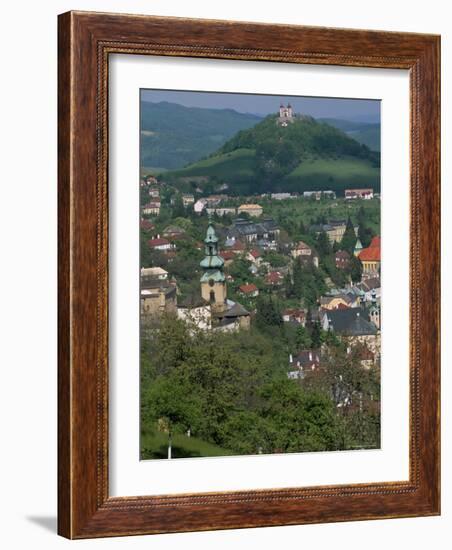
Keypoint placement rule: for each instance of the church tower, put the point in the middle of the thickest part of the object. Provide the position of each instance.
(358, 248)
(286, 115)
(213, 281)
(374, 311)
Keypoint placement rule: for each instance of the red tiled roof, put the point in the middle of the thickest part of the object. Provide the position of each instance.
(147, 225)
(238, 246)
(158, 242)
(255, 253)
(371, 254)
(274, 277)
(180, 237)
(302, 246)
(248, 288)
(294, 312)
(227, 255)
(376, 241)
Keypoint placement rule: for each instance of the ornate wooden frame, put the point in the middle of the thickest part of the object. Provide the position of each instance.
(85, 42)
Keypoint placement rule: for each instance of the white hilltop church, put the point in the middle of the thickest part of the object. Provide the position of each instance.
(286, 115)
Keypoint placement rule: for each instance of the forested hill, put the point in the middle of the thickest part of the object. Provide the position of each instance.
(173, 136)
(306, 154)
(368, 133)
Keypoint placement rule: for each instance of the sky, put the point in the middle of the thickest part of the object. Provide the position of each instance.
(362, 110)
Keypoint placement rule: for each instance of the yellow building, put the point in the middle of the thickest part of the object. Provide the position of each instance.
(254, 210)
(370, 258)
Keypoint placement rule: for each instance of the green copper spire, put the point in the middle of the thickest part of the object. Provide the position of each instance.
(358, 247)
(212, 263)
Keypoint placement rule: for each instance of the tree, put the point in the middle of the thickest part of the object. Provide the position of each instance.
(240, 271)
(364, 232)
(298, 419)
(308, 283)
(267, 313)
(302, 339)
(178, 207)
(338, 276)
(349, 238)
(275, 259)
(323, 244)
(355, 269)
(316, 335)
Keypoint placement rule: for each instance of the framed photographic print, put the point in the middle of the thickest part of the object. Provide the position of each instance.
(248, 275)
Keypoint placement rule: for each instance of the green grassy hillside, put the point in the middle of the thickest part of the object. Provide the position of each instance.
(155, 445)
(335, 174)
(235, 164)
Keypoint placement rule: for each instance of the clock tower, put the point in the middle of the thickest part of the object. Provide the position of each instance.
(213, 281)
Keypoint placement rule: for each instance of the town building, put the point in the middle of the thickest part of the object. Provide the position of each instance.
(281, 196)
(317, 195)
(222, 211)
(249, 290)
(334, 229)
(172, 231)
(267, 231)
(301, 249)
(238, 248)
(305, 253)
(157, 297)
(159, 243)
(370, 288)
(352, 325)
(294, 315)
(151, 208)
(254, 210)
(215, 200)
(342, 259)
(146, 225)
(274, 278)
(151, 180)
(228, 256)
(359, 194)
(254, 256)
(195, 310)
(370, 258)
(337, 301)
(199, 206)
(303, 363)
(157, 273)
(187, 199)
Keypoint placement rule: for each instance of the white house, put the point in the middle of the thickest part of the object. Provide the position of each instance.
(199, 205)
(155, 272)
(160, 244)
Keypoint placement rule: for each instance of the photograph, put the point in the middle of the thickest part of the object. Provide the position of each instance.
(260, 260)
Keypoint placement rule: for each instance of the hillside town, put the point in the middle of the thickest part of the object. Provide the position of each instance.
(249, 257)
